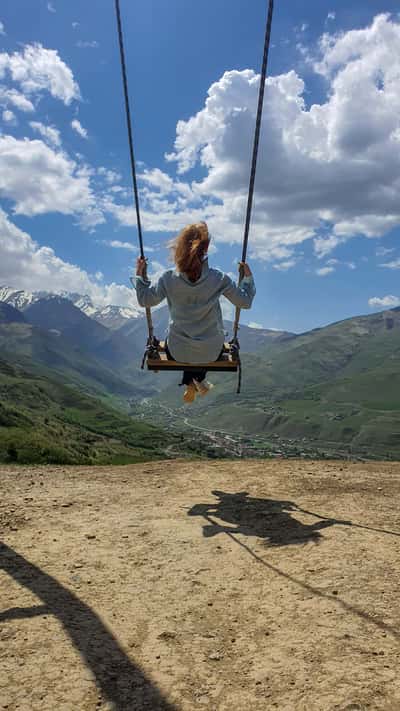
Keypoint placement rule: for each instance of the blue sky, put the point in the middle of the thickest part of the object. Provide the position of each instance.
(325, 238)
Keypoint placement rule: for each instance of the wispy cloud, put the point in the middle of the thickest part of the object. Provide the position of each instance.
(284, 266)
(116, 244)
(49, 133)
(51, 7)
(383, 251)
(324, 271)
(87, 44)
(78, 128)
(110, 176)
(2, 30)
(395, 264)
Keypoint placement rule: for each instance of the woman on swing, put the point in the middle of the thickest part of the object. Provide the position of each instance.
(192, 290)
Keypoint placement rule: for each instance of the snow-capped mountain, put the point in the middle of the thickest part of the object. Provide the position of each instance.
(111, 316)
(18, 298)
(115, 316)
(84, 303)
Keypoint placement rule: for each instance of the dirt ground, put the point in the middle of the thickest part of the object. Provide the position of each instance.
(228, 586)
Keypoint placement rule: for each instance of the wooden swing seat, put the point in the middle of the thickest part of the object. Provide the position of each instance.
(227, 362)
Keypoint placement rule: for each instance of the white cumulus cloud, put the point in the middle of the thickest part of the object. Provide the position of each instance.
(9, 116)
(389, 301)
(38, 179)
(37, 69)
(16, 99)
(333, 165)
(26, 265)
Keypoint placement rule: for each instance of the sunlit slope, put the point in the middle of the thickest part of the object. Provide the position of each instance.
(340, 383)
(44, 421)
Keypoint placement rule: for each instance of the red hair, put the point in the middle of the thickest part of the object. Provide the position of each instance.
(189, 249)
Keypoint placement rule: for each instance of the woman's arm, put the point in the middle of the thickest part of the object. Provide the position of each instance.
(147, 295)
(241, 296)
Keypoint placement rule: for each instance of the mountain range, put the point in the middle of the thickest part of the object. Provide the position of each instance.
(110, 316)
(55, 331)
(339, 383)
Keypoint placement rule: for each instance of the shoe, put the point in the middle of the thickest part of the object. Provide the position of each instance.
(203, 388)
(190, 393)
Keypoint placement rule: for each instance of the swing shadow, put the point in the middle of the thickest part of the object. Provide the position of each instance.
(119, 680)
(270, 520)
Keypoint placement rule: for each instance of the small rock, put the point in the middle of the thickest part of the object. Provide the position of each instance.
(166, 635)
(215, 656)
(90, 536)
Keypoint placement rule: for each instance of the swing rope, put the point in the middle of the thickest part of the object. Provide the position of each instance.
(151, 341)
(267, 43)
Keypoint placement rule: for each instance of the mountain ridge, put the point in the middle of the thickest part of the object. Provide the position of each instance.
(110, 315)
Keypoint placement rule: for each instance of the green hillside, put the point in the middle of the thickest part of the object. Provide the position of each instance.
(339, 384)
(44, 421)
(50, 352)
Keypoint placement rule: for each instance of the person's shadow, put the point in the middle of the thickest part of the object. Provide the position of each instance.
(273, 522)
(269, 519)
(119, 680)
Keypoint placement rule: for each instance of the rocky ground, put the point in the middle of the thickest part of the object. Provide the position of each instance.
(167, 586)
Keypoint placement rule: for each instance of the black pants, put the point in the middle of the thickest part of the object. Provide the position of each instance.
(188, 375)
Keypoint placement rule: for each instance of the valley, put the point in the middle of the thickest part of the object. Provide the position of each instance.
(331, 392)
(217, 443)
